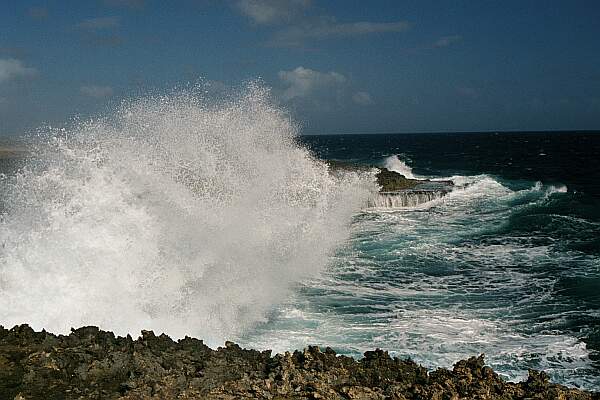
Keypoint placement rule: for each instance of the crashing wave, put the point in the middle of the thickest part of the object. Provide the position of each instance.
(176, 213)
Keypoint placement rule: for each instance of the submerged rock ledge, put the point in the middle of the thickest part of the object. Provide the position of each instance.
(93, 364)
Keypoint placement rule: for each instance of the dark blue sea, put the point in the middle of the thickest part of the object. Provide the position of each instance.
(507, 264)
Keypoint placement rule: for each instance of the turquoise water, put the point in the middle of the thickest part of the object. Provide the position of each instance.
(504, 265)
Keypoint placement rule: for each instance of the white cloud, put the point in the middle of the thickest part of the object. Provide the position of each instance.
(327, 27)
(97, 91)
(11, 68)
(303, 82)
(446, 41)
(271, 11)
(95, 24)
(362, 98)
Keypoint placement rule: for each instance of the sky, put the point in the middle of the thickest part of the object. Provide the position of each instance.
(338, 66)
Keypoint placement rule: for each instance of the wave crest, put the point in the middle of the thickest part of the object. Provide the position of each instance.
(176, 213)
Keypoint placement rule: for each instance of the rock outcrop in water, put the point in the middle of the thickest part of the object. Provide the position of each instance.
(93, 364)
(396, 190)
(391, 181)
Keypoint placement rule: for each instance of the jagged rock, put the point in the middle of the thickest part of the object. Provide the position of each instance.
(93, 364)
(391, 181)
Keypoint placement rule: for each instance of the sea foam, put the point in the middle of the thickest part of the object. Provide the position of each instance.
(176, 213)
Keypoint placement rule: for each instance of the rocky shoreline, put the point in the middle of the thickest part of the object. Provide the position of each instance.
(92, 364)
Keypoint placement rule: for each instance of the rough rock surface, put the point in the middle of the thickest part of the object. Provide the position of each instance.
(93, 364)
(391, 181)
(388, 181)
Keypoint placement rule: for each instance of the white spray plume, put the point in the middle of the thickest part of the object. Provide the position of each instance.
(393, 163)
(176, 213)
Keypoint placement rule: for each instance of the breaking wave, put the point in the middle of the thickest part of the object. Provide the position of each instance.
(177, 213)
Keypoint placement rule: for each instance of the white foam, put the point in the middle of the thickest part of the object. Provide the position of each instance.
(177, 214)
(556, 189)
(547, 189)
(452, 336)
(407, 199)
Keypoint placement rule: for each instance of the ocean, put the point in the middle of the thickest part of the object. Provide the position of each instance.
(508, 265)
(219, 220)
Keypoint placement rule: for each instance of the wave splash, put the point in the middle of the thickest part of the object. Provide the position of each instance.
(393, 163)
(176, 213)
(464, 187)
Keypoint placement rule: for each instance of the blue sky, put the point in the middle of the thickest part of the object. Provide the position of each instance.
(351, 66)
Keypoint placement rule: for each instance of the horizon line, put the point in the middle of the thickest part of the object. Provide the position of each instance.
(458, 132)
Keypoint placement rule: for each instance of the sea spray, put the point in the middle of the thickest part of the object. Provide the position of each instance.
(175, 213)
(393, 163)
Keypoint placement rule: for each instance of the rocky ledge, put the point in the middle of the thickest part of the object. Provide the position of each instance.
(392, 181)
(93, 364)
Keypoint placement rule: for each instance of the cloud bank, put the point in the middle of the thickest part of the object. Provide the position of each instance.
(264, 12)
(303, 82)
(319, 90)
(11, 68)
